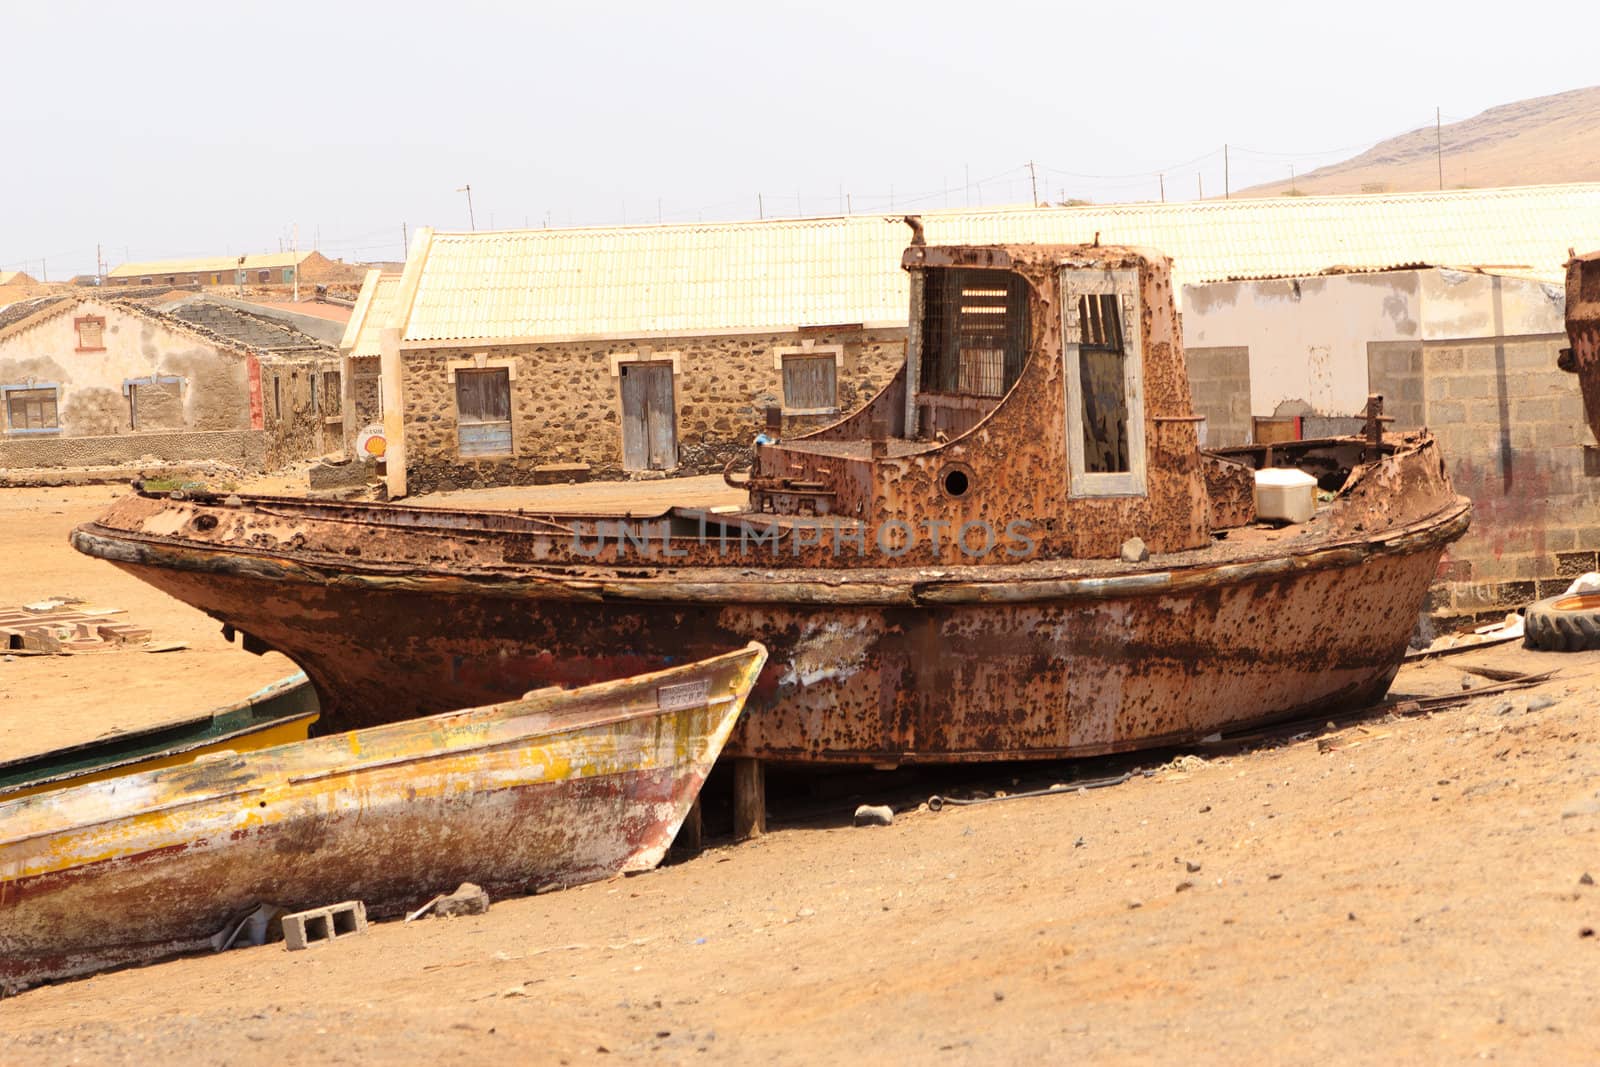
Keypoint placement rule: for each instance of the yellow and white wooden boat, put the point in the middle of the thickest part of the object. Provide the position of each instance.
(560, 787)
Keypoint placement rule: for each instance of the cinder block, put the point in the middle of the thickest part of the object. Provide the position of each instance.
(1444, 359)
(306, 928)
(1572, 564)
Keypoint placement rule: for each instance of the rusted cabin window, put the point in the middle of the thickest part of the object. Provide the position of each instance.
(810, 383)
(483, 411)
(1104, 382)
(31, 410)
(1102, 355)
(974, 332)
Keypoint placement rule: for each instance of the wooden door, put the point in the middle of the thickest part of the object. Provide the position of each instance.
(649, 417)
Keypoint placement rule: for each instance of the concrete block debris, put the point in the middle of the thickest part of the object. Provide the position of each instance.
(306, 928)
(56, 626)
(468, 899)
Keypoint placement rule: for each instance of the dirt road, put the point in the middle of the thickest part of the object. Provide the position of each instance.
(1394, 891)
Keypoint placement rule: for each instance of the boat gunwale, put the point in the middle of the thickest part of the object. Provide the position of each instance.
(886, 587)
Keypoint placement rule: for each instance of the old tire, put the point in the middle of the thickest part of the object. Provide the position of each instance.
(1563, 623)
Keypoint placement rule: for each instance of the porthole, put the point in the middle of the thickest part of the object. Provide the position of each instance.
(955, 480)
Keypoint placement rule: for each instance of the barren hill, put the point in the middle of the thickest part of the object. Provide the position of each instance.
(1542, 141)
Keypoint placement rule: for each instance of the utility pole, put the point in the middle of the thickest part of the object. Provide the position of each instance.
(472, 219)
(1199, 186)
(1438, 144)
(99, 266)
(849, 208)
(1033, 177)
(405, 243)
(297, 263)
(1162, 179)
(761, 209)
(1226, 183)
(1291, 180)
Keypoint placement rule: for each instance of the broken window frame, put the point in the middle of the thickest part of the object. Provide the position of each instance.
(475, 450)
(331, 385)
(1076, 282)
(97, 324)
(942, 328)
(9, 392)
(130, 389)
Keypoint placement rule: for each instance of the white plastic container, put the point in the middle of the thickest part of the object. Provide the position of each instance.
(1285, 495)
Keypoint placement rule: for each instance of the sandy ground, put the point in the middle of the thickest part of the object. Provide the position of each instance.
(1395, 890)
(53, 701)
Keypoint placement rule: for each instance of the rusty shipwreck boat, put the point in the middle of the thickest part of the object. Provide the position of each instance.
(556, 788)
(938, 576)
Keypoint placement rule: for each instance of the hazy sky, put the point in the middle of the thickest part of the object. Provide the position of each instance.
(213, 129)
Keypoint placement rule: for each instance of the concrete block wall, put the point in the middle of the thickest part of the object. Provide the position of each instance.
(1512, 430)
(1394, 370)
(1219, 385)
(566, 404)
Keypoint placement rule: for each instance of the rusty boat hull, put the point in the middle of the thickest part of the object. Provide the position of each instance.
(398, 611)
(556, 788)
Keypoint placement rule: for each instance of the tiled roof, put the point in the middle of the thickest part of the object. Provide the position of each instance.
(370, 314)
(217, 264)
(780, 274)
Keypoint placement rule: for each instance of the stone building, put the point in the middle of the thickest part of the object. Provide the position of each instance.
(89, 380)
(509, 358)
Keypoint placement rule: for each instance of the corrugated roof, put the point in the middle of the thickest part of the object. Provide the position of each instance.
(267, 261)
(781, 274)
(373, 307)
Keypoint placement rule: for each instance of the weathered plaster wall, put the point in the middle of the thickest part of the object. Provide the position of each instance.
(1307, 337)
(298, 417)
(242, 448)
(90, 401)
(566, 405)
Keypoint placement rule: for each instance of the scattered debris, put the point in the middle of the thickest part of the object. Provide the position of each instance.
(1586, 879)
(874, 815)
(306, 928)
(1134, 550)
(52, 626)
(935, 803)
(468, 899)
(262, 924)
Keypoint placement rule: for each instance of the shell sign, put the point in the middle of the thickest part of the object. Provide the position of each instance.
(371, 442)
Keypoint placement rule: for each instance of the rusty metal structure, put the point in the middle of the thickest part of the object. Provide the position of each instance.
(946, 574)
(554, 789)
(1583, 332)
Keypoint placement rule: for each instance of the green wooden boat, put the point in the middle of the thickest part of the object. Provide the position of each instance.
(278, 714)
